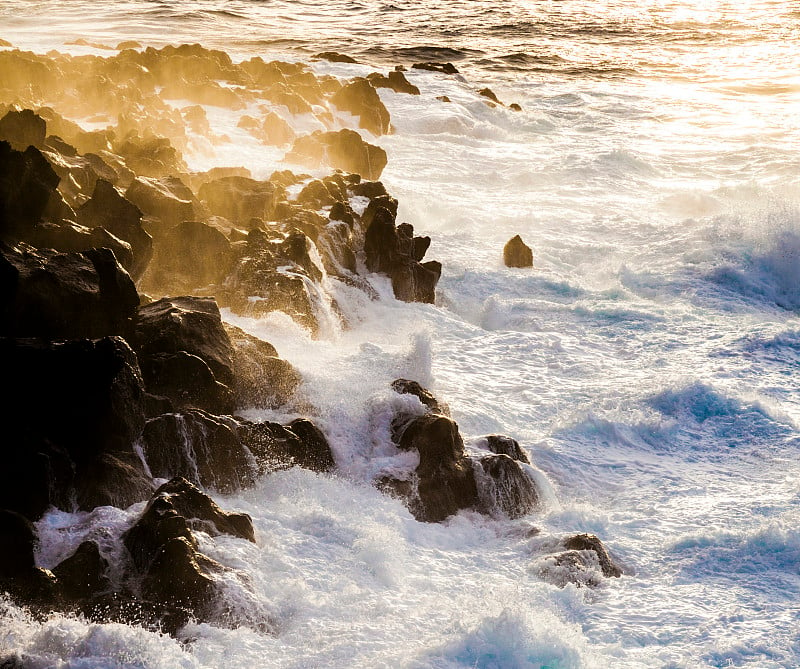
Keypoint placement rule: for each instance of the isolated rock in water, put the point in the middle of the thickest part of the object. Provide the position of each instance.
(27, 181)
(502, 445)
(188, 256)
(168, 199)
(109, 210)
(190, 324)
(278, 446)
(444, 68)
(506, 488)
(64, 295)
(334, 57)
(23, 129)
(360, 98)
(517, 254)
(271, 130)
(589, 542)
(19, 576)
(489, 93)
(200, 447)
(261, 378)
(202, 513)
(239, 199)
(446, 478)
(344, 149)
(83, 574)
(77, 408)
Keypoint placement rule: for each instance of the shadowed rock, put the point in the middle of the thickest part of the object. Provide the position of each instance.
(446, 478)
(64, 295)
(109, 210)
(589, 542)
(444, 68)
(27, 181)
(189, 324)
(19, 575)
(277, 446)
(83, 574)
(76, 409)
(203, 448)
(502, 445)
(507, 489)
(168, 199)
(23, 129)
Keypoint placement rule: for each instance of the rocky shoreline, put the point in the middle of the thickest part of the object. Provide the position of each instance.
(126, 385)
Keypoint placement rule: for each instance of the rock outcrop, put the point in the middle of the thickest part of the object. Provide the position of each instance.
(517, 254)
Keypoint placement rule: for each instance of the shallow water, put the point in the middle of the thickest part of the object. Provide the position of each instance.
(648, 363)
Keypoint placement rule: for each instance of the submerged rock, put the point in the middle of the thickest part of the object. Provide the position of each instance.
(517, 254)
(589, 542)
(444, 68)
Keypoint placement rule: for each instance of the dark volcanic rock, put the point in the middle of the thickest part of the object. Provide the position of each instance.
(360, 98)
(502, 445)
(446, 477)
(27, 182)
(71, 237)
(589, 542)
(261, 378)
(202, 513)
(334, 57)
(407, 387)
(507, 489)
(19, 575)
(189, 324)
(187, 381)
(343, 149)
(393, 250)
(84, 573)
(395, 80)
(74, 405)
(444, 68)
(64, 295)
(277, 446)
(23, 129)
(164, 551)
(200, 447)
(109, 210)
(517, 254)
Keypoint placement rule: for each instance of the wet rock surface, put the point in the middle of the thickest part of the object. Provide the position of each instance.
(517, 253)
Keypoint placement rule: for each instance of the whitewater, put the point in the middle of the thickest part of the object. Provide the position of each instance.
(647, 363)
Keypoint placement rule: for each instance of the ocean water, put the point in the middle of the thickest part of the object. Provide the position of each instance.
(648, 363)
